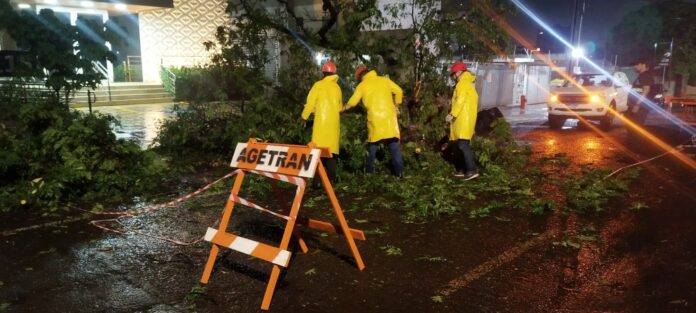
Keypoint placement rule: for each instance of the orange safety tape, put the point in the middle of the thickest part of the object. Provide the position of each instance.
(170, 203)
(132, 213)
(288, 179)
(97, 224)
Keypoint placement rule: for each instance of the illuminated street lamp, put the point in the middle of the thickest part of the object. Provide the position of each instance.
(577, 54)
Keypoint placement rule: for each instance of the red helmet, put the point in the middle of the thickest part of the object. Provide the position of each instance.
(458, 66)
(329, 67)
(360, 70)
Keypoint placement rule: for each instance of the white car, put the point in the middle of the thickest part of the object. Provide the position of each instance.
(589, 97)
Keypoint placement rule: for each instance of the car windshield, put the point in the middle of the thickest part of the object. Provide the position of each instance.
(590, 80)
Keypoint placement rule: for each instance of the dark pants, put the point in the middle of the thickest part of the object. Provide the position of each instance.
(394, 150)
(633, 135)
(638, 117)
(467, 155)
(330, 166)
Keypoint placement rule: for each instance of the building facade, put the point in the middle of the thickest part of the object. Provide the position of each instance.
(153, 33)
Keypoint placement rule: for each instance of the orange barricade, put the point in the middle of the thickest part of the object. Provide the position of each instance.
(688, 103)
(290, 164)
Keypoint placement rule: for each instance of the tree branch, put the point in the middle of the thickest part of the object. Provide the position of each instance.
(299, 22)
(328, 24)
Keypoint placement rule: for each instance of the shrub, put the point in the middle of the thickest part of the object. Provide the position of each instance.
(70, 157)
(196, 84)
(209, 132)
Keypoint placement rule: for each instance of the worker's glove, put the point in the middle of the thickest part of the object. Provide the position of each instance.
(303, 122)
(449, 118)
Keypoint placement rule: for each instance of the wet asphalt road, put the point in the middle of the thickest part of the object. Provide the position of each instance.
(637, 262)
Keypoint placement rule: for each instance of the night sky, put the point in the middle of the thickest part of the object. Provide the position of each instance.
(600, 17)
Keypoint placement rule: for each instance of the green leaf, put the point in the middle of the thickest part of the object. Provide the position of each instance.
(635, 206)
(431, 258)
(391, 250)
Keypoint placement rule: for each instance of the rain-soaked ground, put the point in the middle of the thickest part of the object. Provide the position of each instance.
(139, 121)
(627, 261)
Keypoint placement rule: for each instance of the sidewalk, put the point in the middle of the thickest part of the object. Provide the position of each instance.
(532, 113)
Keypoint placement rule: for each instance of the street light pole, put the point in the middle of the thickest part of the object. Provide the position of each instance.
(582, 14)
(572, 37)
(575, 33)
(664, 68)
(577, 43)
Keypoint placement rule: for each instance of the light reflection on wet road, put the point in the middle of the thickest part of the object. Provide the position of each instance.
(139, 122)
(581, 144)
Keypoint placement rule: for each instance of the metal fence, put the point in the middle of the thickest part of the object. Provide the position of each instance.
(494, 84)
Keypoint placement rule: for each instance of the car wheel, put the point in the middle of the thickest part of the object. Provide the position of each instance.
(556, 122)
(608, 119)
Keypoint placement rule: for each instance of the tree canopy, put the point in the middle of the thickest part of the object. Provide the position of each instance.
(648, 31)
(413, 41)
(65, 53)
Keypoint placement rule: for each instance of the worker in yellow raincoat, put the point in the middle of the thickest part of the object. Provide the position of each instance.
(462, 117)
(325, 101)
(381, 98)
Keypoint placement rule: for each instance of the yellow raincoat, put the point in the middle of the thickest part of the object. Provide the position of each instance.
(380, 96)
(325, 101)
(464, 108)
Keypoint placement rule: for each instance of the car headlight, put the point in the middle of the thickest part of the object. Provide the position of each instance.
(594, 98)
(553, 98)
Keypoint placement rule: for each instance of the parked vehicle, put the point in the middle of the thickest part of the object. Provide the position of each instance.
(590, 99)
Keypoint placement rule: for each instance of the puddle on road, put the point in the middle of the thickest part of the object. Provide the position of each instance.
(139, 122)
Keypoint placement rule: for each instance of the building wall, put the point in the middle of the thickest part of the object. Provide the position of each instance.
(174, 37)
(494, 83)
(538, 77)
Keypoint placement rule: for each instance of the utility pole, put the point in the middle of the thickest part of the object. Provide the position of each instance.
(582, 14)
(576, 32)
(579, 36)
(569, 53)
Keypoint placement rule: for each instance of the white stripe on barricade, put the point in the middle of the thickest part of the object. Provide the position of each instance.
(257, 249)
(282, 258)
(244, 245)
(282, 177)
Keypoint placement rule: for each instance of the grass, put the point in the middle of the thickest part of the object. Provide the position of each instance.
(429, 258)
(193, 295)
(391, 250)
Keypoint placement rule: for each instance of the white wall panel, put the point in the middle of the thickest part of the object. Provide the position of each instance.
(174, 37)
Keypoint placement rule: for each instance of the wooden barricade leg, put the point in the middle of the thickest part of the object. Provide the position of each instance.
(339, 214)
(329, 227)
(223, 227)
(295, 231)
(289, 227)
